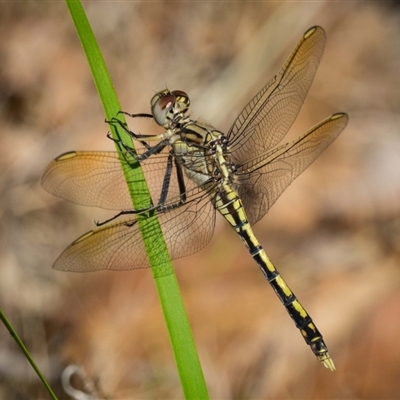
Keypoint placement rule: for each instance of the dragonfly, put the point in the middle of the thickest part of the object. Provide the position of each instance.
(194, 171)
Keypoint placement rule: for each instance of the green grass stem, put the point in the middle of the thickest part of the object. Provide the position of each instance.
(25, 351)
(181, 338)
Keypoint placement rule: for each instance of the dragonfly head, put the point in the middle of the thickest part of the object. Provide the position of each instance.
(166, 106)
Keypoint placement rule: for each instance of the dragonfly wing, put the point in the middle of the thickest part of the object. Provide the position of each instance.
(264, 178)
(116, 246)
(96, 179)
(119, 246)
(89, 178)
(189, 228)
(268, 116)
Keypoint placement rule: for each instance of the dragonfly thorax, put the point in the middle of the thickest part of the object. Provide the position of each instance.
(219, 160)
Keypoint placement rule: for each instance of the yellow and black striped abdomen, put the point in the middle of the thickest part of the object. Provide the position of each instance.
(229, 204)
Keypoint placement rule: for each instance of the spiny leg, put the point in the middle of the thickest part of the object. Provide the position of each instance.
(140, 138)
(161, 206)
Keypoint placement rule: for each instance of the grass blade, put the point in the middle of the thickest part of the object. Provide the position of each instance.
(25, 351)
(181, 338)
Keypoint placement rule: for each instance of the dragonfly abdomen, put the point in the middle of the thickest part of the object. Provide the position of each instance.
(297, 312)
(229, 204)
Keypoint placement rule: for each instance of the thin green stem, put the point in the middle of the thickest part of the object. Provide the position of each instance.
(181, 338)
(21, 345)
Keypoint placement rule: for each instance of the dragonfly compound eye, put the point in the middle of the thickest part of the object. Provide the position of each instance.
(182, 100)
(161, 104)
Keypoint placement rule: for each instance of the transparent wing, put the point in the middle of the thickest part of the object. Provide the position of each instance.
(96, 179)
(119, 246)
(89, 178)
(262, 179)
(268, 116)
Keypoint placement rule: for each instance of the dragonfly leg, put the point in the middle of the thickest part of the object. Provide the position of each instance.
(181, 182)
(132, 134)
(161, 207)
(167, 180)
(123, 212)
(151, 150)
(150, 210)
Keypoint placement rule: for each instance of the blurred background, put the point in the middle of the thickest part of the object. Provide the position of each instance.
(334, 234)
